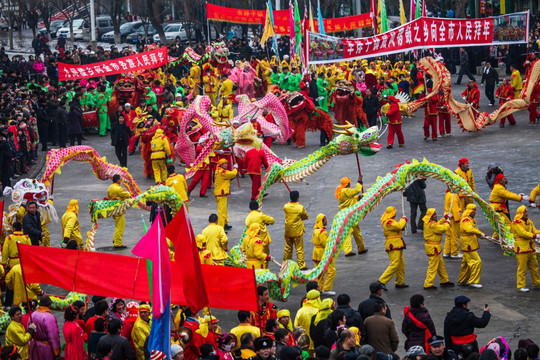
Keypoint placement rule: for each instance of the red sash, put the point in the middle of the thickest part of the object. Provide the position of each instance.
(421, 325)
(465, 339)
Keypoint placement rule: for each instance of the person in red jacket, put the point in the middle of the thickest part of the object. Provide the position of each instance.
(254, 161)
(267, 139)
(533, 114)
(393, 116)
(430, 117)
(505, 93)
(202, 174)
(132, 313)
(445, 121)
(472, 94)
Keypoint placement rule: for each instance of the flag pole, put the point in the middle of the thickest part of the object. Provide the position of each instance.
(26, 296)
(207, 24)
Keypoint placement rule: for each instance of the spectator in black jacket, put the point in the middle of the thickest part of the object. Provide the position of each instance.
(371, 107)
(43, 122)
(464, 66)
(353, 318)
(416, 196)
(460, 323)
(32, 224)
(120, 135)
(121, 349)
(491, 77)
(62, 118)
(366, 307)
(5, 159)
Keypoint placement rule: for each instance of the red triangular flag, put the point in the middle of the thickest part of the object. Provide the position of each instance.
(186, 258)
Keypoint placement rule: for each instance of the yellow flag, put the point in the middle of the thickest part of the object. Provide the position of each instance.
(402, 13)
(268, 28)
(311, 26)
(379, 22)
(503, 7)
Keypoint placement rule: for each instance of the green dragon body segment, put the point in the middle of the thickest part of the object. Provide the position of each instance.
(290, 274)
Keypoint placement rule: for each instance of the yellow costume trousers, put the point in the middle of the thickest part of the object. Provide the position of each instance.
(471, 268)
(327, 282)
(212, 97)
(347, 244)
(436, 266)
(46, 240)
(160, 170)
(120, 224)
(397, 267)
(527, 261)
(222, 210)
(297, 242)
(451, 243)
(255, 264)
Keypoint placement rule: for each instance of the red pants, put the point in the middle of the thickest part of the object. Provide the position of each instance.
(133, 143)
(510, 118)
(255, 185)
(532, 112)
(205, 183)
(445, 126)
(395, 129)
(241, 165)
(430, 120)
(299, 135)
(267, 140)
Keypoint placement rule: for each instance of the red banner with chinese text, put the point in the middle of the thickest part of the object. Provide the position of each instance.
(422, 33)
(142, 61)
(281, 19)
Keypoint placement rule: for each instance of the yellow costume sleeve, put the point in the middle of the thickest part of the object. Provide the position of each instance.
(440, 226)
(258, 250)
(268, 220)
(70, 225)
(5, 251)
(534, 193)
(520, 230)
(224, 240)
(467, 227)
(396, 225)
(304, 214)
(352, 191)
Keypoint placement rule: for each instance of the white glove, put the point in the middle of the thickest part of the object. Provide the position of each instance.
(524, 198)
(32, 326)
(450, 215)
(531, 204)
(235, 166)
(464, 98)
(536, 237)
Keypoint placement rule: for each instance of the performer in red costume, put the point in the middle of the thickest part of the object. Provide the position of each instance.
(394, 123)
(430, 117)
(255, 160)
(505, 93)
(472, 94)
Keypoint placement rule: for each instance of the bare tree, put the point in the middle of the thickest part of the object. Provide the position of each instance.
(114, 9)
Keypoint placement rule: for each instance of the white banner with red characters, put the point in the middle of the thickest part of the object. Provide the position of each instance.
(142, 61)
(422, 33)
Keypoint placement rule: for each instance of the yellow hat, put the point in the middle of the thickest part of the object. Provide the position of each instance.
(313, 294)
(73, 206)
(283, 312)
(388, 214)
(319, 221)
(429, 214)
(344, 181)
(519, 212)
(253, 230)
(201, 240)
(468, 210)
(144, 307)
(222, 161)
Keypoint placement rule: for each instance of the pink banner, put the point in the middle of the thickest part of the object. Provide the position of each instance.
(142, 61)
(422, 33)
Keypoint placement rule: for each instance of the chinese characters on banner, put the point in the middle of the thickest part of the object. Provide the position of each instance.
(146, 60)
(281, 19)
(420, 34)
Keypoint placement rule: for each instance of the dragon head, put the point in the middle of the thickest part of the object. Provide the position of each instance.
(220, 52)
(171, 120)
(344, 90)
(125, 82)
(143, 79)
(145, 126)
(296, 102)
(351, 140)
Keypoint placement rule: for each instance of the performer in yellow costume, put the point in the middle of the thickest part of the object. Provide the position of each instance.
(71, 229)
(222, 189)
(258, 217)
(10, 252)
(178, 183)
(216, 240)
(471, 265)
(394, 246)
(141, 330)
(499, 197)
(253, 247)
(210, 85)
(319, 238)
(465, 172)
(347, 197)
(161, 150)
(117, 192)
(195, 75)
(295, 214)
(452, 206)
(204, 254)
(525, 234)
(433, 232)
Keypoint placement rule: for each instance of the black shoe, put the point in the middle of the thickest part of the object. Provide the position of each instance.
(362, 252)
(242, 175)
(413, 231)
(383, 286)
(304, 268)
(227, 227)
(401, 286)
(350, 254)
(265, 195)
(447, 284)
(120, 247)
(389, 146)
(131, 153)
(203, 196)
(433, 287)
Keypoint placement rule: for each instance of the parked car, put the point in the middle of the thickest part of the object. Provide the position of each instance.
(81, 29)
(173, 32)
(125, 30)
(132, 38)
(104, 24)
(4, 24)
(53, 26)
